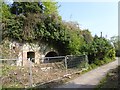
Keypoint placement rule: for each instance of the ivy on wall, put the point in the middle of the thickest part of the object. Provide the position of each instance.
(36, 21)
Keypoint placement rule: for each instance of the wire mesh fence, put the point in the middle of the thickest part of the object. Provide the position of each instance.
(76, 63)
(51, 69)
(33, 74)
(54, 68)
(9, 61)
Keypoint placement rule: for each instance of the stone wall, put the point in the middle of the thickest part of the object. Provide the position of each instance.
(40, 50)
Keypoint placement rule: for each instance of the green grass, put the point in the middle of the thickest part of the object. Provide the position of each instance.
(101, 83)
(7, 68)
(110, 80)
(10, 76)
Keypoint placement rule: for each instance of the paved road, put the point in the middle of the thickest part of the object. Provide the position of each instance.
(92, 78)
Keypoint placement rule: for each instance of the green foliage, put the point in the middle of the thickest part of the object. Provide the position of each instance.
(13, 28)
(116, 42)
(40, 21)
(5, 12)
(26, 7)
(73, 38)
(111, 53)
(48, 26)
(47, 8)
(75, 43)
(50, 7)
(98, 49)
(92, 66)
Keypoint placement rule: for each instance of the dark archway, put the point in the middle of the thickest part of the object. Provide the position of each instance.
(51, 54)
(31, 55)
(51, 57)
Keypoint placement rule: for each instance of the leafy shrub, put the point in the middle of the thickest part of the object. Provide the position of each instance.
(31, 25)
(107, 60)
(97, 62)
(98, 49)
(111, 53)
(92, 66)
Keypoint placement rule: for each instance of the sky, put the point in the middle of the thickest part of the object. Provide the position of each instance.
(95, 16)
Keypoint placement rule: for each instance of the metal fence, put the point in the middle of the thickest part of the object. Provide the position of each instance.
(51, 69)
(58, 67)
(9, 61)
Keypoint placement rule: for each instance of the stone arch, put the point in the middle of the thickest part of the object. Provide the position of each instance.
(51, 54)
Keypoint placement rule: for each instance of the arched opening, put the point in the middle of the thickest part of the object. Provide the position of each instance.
(51, 54)
(31, 55)
(51, 57)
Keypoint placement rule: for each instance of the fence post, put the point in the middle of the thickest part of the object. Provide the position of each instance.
(66, 64)
(30, 72)
(86, 60)
(48, 61)
(0, 74)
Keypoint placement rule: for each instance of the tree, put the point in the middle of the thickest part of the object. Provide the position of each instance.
(26, 7)
(116, 42)
(87, 35)
(31, 21)
(47, 8)
(50, 7)
(74, 40)
(6, 16)
(5, 12)
(99, 49)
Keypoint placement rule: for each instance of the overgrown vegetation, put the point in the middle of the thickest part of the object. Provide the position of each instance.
(40, 21)
(99, 50)
(115, 40)
(27, 22)
(32, 21)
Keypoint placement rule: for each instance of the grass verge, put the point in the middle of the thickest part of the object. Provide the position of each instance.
(111, 80)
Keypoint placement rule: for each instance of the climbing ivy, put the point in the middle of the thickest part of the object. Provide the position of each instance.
(40, 21)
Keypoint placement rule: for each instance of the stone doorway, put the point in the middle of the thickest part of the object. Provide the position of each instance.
(31, 55)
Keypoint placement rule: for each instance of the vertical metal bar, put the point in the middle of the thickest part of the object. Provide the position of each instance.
(66, 64)
(30, 72)
(48, 60)
(118, 28)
